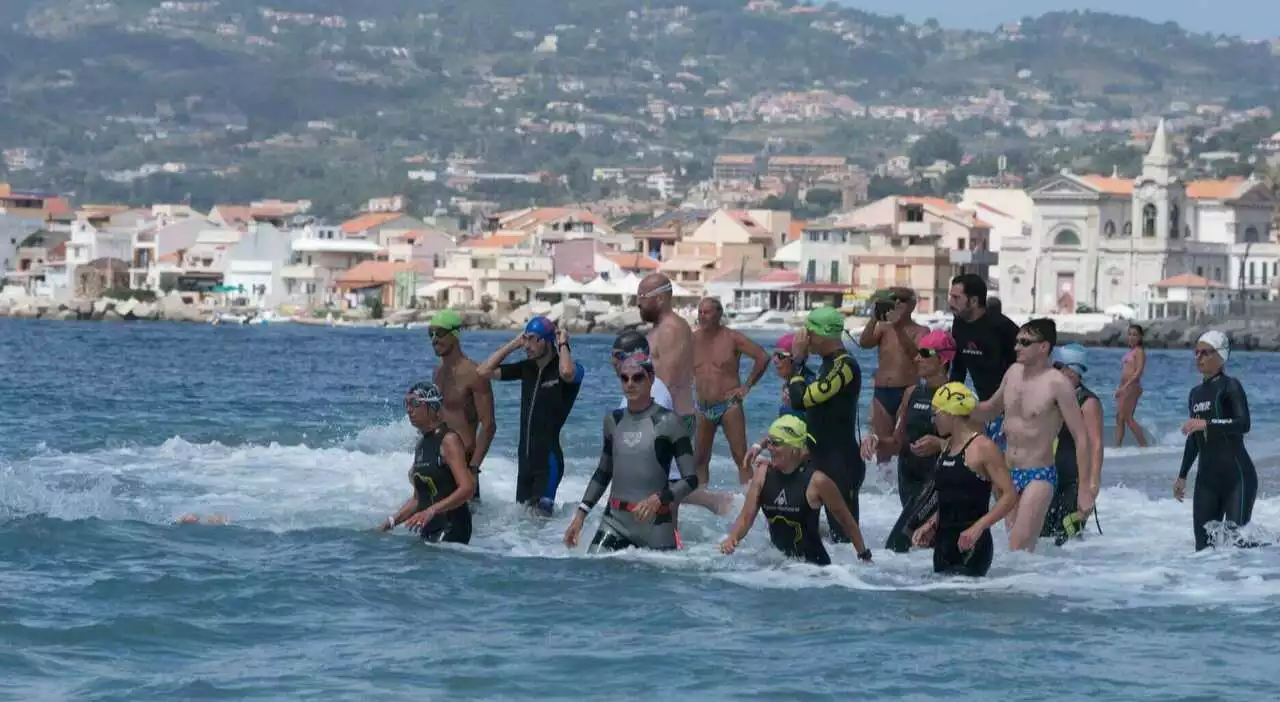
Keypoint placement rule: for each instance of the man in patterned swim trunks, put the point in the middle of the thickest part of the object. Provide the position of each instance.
(1036, 401)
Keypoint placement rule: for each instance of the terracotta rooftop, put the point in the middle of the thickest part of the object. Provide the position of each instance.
(1188, 280)
(370, 273)
(633, 261)
(368, 221)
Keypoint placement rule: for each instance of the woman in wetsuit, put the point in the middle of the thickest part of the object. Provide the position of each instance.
(969, 466)
(790, 493)
(1226, 484)
(442, 481)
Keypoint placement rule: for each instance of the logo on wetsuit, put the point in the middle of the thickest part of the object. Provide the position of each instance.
(781, 500)
(922, 407)
(631, 439)
(1202, 406)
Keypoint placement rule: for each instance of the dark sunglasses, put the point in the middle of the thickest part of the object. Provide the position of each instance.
(1024, 342)
(632, 378)
(440, 333)
(781, 355)
(927, 353)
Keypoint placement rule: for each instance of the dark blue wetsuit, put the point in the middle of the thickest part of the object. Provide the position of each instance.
(546, 400)
(784, 410)
(433, 481)
(1066, 495)
(793, 522)
(830, 402)
(1226, 483)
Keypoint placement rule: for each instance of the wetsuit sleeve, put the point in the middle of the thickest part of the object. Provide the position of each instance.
(842, 374)
(1192, 448)
(1232, 399)
(604, 469)
(512, 371)
(672, 432)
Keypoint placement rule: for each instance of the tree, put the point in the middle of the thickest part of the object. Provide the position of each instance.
(938, 145)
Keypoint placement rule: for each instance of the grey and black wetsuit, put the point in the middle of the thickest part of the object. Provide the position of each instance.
(433, 481)
(1226, 483)
(793, 522)
(830, 403)
(915, 472)
(638, 447)
(964, 497)
(1066, 496)
(546, 400)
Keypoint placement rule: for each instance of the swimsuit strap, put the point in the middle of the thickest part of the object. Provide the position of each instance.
(965, 447)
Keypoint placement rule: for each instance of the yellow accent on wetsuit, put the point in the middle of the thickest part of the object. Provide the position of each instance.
(830, 384)
(791, 523)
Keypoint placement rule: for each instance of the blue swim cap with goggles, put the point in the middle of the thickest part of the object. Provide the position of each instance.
(542, 328)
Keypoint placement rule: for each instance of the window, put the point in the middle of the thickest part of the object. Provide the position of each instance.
(1109, 229)
(1217, 273)
(1251, 235)
(1200, 271)
(1128, 228)
(1252, 271)
(915, 213)
(812, 272)
(1066, 237)
(1148, 220)
(960, 245)
(835, 271)
(1173, 221)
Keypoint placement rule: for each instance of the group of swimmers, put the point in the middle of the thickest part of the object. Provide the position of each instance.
(1028, 434)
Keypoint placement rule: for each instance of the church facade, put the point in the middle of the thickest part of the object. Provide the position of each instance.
(1099, 241)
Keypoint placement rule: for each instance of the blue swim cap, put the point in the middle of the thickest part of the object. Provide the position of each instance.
(542, 328)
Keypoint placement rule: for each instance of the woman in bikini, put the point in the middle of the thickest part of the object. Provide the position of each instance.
(1130, 389)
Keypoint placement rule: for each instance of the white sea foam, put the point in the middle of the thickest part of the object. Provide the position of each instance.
(1144, 559)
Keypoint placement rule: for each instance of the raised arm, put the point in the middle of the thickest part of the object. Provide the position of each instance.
(835, 504)
(482, 396)
(493, 366)
(842, 374)
(570, 372)
(1065, 396)
(758, 356)
(870, 336)
(747, 517)
(1237, 407)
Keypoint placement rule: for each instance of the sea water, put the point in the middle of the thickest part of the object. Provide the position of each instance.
(108, 432)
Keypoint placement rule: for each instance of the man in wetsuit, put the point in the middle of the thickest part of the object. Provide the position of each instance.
(1036, 401)
(639, 443)
(717, 351)
(984, 343)
(468, 398)
(894, 334)
(1227, 482)
(550, 380)
(790, 493)
(830, 402)
(1066, 514)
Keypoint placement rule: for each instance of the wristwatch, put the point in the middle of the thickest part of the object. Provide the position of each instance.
(865, 555)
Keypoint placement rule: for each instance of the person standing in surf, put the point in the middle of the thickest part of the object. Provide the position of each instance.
(984, 344)
(830, 403)
(1130, 388)
(1077, 486)
(442, 480)
(790, 493)
(787, 366)
(550, 380)
(640, 442)
(971, 463)
(468, 398)
(720, 392)
(1227, 482)
(893, 334)
(1036, 401)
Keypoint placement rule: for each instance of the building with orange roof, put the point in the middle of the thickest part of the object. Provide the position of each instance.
(960, 233)
(1105, 240)
(551, 224)
(391, 282)
(506, 269)
(31, 204)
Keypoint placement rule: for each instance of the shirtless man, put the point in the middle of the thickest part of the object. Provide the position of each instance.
(468, 398)
(894, 337)
(716, 353)
(671, 346)
(1036, 401)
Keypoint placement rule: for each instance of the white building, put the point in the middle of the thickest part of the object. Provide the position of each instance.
(320, 254)
(1102, 241)
(506, 270)
(256, 262)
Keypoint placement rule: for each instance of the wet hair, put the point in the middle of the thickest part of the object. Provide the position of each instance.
(902, 294)
(714, 301)
(1043, 328)
(974, 286)
(630, 340)
(1142, 333)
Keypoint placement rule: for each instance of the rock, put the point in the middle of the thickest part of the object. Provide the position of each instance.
(357, 314)
(144, 310)
(68, 315)
(401, 317)
(626, 319)
(112, 316)
(101, 305)
(578, 325)
(23, 310)
(83, 307)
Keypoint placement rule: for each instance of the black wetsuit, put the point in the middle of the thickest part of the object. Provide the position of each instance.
(964, 497)
(432, 482)
(914, 472)
(545, 402)
(793, 522)
(1226, 483)
(984, 351)
(830, 402)
(1066, 496)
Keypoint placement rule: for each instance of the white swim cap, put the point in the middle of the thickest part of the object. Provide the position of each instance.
(1218, 341)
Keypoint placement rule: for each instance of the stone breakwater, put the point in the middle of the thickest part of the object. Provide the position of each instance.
(171, 309)
(1246, 335)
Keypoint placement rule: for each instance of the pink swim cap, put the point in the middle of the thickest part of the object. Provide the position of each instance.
(939, 340)
(784, 344)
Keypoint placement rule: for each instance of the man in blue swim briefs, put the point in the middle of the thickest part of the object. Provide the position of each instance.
(1036, 401)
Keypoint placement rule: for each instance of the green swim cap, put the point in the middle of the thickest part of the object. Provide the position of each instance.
(825, 321)
(447, 319)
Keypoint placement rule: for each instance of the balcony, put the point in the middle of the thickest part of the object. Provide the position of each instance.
(974, 258)
(299, 272)
(922, 229)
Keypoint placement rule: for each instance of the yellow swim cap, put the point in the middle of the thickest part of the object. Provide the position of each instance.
(789, 430)
(955, 399)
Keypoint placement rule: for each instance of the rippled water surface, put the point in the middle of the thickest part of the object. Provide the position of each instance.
(109, 432)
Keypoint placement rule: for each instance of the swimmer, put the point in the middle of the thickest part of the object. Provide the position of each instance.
(717, 353)
(549, 383)
(1036, 401)
(468, 398)
(790, 493)
(639, 443)
(893, 334)
(212, 520)
(788, 365)
(442, 481)
(960, 531)
(1227, 482)
(1076, 488)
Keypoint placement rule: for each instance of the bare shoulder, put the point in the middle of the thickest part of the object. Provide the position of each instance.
(983, 452)
(918, 331)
